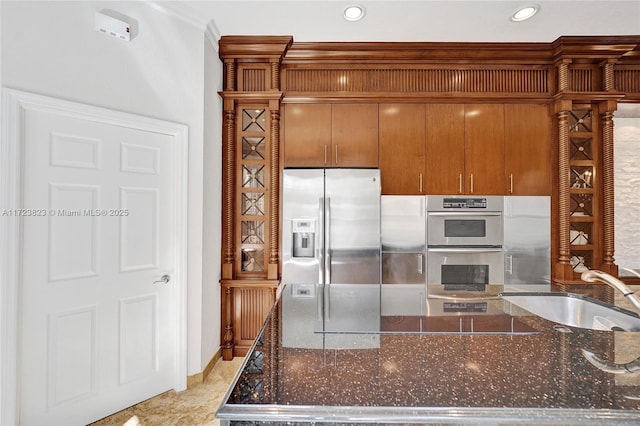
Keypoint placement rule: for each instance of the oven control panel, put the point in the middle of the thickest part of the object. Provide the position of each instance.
(449, 203)
(464, 203)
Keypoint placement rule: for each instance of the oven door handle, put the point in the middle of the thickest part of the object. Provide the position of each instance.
(465, 213)
(465, 250)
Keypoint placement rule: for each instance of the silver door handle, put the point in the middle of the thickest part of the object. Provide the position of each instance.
(319, 242)
(472, 183)
(420, 264)
(465, 250)
(163, 279)
(511, 183)
(327, 240)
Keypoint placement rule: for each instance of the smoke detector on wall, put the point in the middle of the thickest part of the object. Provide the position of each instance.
(113, 24)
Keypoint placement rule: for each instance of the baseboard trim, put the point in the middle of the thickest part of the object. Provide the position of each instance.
(196, 379)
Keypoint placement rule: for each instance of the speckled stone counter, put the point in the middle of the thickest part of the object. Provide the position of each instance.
(416, 369)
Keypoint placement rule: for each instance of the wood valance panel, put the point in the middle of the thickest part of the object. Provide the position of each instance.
(415, 71)
(376, 81)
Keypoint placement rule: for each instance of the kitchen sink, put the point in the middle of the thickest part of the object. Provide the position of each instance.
(574, 310)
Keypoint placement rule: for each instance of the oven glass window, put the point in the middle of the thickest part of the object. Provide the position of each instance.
(465, 274)
(465, 228)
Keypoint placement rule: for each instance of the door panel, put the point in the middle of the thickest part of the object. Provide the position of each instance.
(302, 198)
(98, 330)
(402, 148)
(528, 149)
(445, 149)
(307, 135)
(352, 200)
(484, 149)
(354, 131)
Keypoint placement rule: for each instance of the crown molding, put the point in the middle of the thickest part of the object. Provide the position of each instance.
(213, 34)
(176, 10)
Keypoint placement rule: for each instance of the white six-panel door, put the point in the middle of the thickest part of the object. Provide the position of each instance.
(98, 323)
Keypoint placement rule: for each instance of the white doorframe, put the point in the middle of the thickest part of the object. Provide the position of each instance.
(15, 103)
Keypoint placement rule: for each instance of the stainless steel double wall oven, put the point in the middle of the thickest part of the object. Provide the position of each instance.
(464, 245)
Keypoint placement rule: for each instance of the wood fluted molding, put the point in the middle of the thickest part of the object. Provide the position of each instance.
(627, 80)
(228, 189)
(608, 188)
(230, 75)
(525, 81)
(564, 201)
(563, 75)
(581, 80)
(275, 194)
(608, 76)
(275, 75)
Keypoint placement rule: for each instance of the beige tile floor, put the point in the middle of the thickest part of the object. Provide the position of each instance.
(193, 407)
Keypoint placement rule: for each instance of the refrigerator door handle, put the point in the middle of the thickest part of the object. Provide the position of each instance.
(420, 262)
(327, 305)
(327, 240)
(320, 240)
(510, 260)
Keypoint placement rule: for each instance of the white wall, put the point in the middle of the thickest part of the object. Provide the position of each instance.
(51, 48)
(627, 186)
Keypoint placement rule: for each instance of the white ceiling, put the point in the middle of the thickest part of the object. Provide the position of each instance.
(426, 20)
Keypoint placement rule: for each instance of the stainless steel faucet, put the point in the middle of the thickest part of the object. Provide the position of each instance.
(609, 367)
(595, 275)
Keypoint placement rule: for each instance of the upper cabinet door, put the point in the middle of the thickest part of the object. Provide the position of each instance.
(354, 131)
(528, 149)
(326, 135)
(307, 135)
(444, 173)
(484, 149)
(402, 148)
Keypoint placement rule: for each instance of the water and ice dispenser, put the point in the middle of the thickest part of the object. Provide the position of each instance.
(304, 237)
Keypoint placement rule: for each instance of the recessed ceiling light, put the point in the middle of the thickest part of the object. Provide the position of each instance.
(353, 13)
(525, 13)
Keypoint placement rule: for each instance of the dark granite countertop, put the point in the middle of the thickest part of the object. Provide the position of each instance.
(415, 360)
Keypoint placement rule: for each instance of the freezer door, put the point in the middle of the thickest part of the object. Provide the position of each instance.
(403, 223)
(352, 221)
(302, 226)
(527, 238)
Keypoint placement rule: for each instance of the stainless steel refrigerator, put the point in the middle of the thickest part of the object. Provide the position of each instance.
(331, 240)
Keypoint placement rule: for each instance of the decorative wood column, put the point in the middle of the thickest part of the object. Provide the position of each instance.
(608, 75)
(227, 335)
(564, 269)
(228, 189)
(608, 262)
(608, 187)
(251, 185)
(274, 250)
(563, 75)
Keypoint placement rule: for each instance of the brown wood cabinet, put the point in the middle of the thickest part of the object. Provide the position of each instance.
(444, 170)
(465, 149)
(331, 135)
(527, 149)
(402, 148)
(484, 149)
